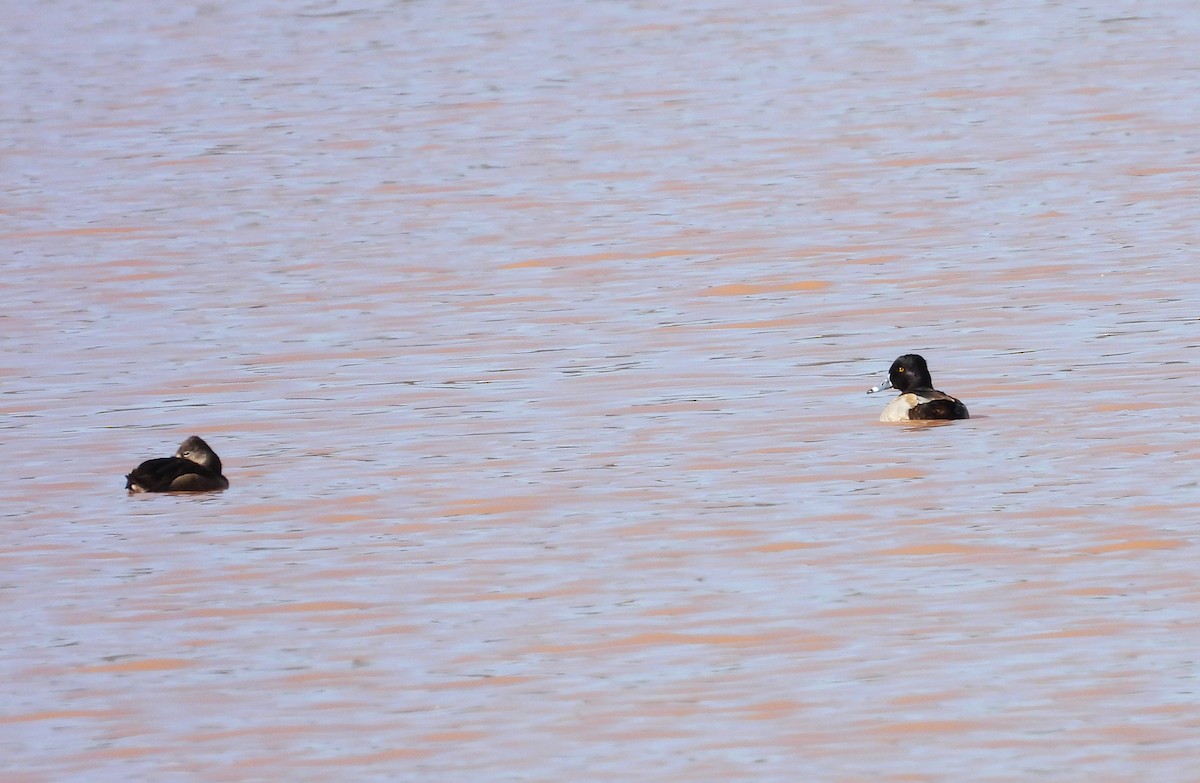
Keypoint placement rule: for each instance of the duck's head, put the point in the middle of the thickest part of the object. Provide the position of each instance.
(908, 372)
(196, 450)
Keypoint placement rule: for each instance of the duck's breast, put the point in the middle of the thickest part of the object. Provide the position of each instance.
(900, 408)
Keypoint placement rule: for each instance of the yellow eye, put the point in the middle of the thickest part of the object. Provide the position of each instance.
(899, 369)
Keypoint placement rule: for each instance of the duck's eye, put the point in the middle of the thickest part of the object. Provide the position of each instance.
(899, 369)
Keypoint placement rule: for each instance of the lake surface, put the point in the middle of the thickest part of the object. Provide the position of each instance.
(534, 338)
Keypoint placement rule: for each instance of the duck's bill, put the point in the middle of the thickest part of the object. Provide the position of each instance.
(885, 385)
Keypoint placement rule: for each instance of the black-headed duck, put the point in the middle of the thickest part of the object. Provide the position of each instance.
(194, 468)
(918, 400)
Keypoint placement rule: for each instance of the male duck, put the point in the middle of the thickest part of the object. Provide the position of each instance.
(918, 399)
(194, 468)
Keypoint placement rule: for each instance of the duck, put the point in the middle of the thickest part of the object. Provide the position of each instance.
(918, 400)
(194, 468)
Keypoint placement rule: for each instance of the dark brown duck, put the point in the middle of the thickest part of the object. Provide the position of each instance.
(194, 468)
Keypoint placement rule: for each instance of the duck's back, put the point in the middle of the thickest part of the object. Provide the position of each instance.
(925, 405)
(945, 407)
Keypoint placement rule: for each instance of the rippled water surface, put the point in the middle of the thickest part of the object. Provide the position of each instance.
(534, 339)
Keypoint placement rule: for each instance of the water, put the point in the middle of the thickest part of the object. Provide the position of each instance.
(534, 339)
